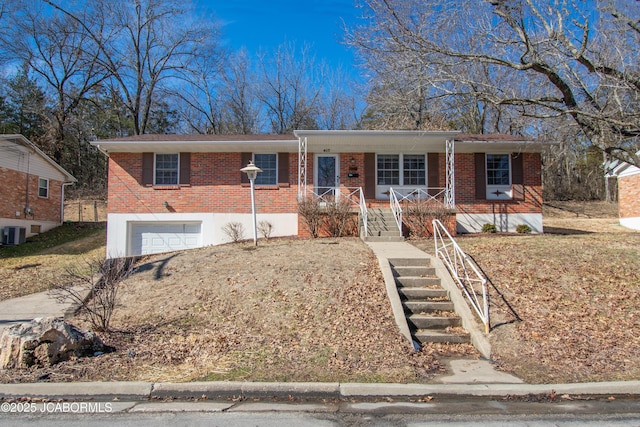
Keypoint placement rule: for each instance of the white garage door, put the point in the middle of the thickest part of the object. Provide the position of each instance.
(155, 238)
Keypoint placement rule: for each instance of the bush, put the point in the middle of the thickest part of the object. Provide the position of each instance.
(339, 219)
(489, 228)
(310, 211)
(265, 228)
(100, 281)
(420, 214)
(235, 231)
(523, 228)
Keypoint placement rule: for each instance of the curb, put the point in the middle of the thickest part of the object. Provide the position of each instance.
(139, 391)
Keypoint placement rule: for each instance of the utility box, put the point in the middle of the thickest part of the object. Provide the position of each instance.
(12, 236)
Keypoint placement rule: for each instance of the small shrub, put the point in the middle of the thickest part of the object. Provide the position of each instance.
(265, 228)
(339, 218)
(489, 228)
(311, 212)
(235, 231)
(100, 281)
(523, 228)
(420, 214)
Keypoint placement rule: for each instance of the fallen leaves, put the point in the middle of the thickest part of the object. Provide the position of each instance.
(577, 296)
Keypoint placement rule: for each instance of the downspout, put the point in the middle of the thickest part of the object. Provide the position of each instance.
(26, 202)
(62, 201)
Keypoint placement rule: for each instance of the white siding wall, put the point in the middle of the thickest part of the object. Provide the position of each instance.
(119, 227)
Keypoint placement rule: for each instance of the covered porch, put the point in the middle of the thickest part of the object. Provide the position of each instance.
(376, 170)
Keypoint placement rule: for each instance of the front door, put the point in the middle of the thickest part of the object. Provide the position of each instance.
(326, 176)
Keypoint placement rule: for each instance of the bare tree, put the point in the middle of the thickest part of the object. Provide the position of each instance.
(241, 104)
(61, 52)
(143, 45)
(291, 87)
(554, 58)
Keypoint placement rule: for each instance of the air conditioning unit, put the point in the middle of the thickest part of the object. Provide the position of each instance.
(14, 235)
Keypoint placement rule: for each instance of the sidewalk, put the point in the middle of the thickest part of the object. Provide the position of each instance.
(29, 307)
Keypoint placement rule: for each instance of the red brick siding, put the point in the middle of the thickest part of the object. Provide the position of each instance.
(629, 196)
(214, 187)
(14, 197)
(466, 195)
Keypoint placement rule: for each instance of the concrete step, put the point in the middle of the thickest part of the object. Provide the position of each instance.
(427, 306)
(422, 294)
(421, 321)
(410, 262)
(417, 282)
(384, 239)
(415, 271)
(441, 337)
(383, 233)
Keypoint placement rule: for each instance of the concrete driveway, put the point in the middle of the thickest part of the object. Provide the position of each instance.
(29, 307)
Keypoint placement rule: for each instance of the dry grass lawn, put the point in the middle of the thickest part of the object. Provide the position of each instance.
(576, 290)
(317, 310)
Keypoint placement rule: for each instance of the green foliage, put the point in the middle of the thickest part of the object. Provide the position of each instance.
(523, 229)
(489, 228)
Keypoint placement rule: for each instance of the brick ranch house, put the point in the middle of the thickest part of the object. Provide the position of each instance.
(628, 177)
(32, 194)
(170, 192)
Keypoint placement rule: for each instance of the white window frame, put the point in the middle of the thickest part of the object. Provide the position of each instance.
(498, 191)
(262, 174)
(382, 189)
(46, 187)
(155, 169)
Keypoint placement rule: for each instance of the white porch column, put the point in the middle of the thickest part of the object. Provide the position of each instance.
(302, 167)
(450, 185)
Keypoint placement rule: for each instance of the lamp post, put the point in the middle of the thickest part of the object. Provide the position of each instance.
(252, 172)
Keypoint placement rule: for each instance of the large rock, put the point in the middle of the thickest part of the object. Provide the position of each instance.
(45, 342)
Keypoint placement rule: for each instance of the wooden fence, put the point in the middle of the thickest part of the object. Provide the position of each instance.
(85, 210)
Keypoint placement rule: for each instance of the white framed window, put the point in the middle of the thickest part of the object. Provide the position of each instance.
(43, 187)
(269, 165)
(414, 169)
(498, 172)
(166, 170)
(388, 169)
(402, 169)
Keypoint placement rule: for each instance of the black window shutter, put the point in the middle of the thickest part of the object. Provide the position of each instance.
(147, 168)
(369, 175)
(481, 176)
(517, 176)
(185, 168)
(283, 168)
(245, 158)
(433, 173)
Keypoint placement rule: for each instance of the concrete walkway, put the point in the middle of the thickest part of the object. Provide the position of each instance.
(29, 307)
(463, 371)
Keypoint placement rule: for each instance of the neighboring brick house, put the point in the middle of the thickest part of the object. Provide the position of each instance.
(168, 192)
(32, 196)
(628, 192)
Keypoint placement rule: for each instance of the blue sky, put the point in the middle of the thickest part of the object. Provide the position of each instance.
(265, 24)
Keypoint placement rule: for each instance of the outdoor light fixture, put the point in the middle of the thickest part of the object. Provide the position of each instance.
(252, 172)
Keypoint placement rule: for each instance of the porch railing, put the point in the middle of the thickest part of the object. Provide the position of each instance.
(408, 195)
(396, 208)
(464, 271)
(353, 195)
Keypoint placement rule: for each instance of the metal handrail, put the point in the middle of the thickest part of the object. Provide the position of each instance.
(463, 270)
(396, 208)
(364, 213)
(421, 193)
